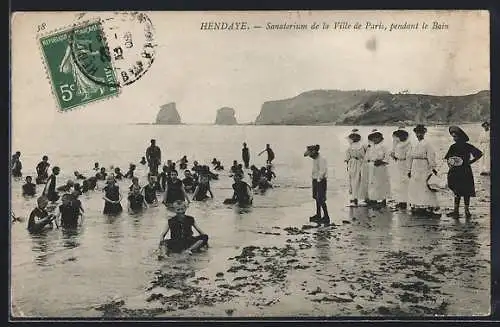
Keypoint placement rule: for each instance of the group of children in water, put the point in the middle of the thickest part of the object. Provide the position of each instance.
(176, 193)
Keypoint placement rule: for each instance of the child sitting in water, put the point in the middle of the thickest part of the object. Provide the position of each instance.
(29, 189)
(234, 167)
(96, 166)
(201, 190)
(39, 218)
(181, 232)
(130, 172)
(135, 197)
(242, 192)
(118, 174)
(263, 183)
(101, 175)
(143, 161)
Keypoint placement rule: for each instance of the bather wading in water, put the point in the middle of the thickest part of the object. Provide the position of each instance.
(200, 193)
(112, 197)
(174, 190)
(135, 198)
(29, 189)
(242, 192)
(42, 170)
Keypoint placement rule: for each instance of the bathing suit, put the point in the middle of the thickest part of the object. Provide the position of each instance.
(241, 192)
(69, 215)
(37, 226)
(202, 192)
(112, 192)
(189, 184)
(181, 234)
(150, 193)
(29, 189)
(174, 191)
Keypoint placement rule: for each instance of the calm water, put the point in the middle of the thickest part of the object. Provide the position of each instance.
(61, 274)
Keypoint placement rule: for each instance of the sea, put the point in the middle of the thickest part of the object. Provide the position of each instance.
(69, 274)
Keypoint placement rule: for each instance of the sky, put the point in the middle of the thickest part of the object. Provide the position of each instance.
(202, 71)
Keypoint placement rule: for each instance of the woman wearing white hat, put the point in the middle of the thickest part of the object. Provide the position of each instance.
(379, 186)
(421, 163)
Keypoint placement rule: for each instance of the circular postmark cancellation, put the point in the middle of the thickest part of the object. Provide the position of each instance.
(123, 41)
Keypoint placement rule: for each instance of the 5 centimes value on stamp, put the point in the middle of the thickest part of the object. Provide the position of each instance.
(130, 46)
(70, 84)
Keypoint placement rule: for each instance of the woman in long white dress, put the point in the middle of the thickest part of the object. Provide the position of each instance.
(484, 146)
(354, 159)
(400, 156)
(422, 163)
(379, 186)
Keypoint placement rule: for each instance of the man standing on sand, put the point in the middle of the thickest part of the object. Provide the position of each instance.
(245, 155)
(319, 176)
(153, 156)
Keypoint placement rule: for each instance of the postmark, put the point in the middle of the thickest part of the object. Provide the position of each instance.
(129, 46)
(70, 85)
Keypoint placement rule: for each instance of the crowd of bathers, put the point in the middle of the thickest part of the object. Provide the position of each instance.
(60, 205)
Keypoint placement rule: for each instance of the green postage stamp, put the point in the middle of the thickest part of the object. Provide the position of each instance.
(79, 65)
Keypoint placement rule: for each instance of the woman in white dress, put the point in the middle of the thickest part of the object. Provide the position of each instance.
(379, 186)
(354, 159)
(400, 155)
(421, 164)
(484, 146)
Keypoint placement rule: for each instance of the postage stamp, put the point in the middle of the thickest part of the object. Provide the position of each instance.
(68, 57)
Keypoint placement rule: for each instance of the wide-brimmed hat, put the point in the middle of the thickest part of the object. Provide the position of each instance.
(311, 148)
(374, 134)
(420, 129)
(354, 136)
(461, 134)
(400, 134)
(485, 124)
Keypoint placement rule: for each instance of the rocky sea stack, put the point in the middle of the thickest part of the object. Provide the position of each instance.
(226, 116)
(374, 108)
(168, 115)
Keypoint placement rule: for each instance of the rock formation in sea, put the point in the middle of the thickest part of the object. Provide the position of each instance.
(168, 115)
(225, 116)
(374, 108)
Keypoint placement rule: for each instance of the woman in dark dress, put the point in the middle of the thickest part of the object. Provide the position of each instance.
(460, 156)
(112, 197)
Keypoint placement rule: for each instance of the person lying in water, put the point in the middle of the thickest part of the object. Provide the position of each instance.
(200, 193)
(136, 200)
(242, 192)
(69, 212)
(181, 232)
(66, 188)
(29, 189)
(39, 218)
(78, 175)
(174, 190)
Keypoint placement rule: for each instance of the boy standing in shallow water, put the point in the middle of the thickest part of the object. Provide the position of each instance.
(319, 175)
(181, 232)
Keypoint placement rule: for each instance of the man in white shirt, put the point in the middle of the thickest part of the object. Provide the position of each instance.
(319, 177)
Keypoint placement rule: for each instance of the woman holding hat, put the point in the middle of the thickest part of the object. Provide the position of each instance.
(484, 145)
(400, 155)
(378, 177)
(354, 159)
(460, 179)
(421, 163)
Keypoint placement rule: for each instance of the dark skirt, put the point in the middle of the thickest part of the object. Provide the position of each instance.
(461, 181)
(319, 190)
(181, 245)
(112, 208)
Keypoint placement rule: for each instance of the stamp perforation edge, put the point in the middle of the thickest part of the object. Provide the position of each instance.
(48, 75)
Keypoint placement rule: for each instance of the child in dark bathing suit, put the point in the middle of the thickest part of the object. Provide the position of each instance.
(181, 232)
(150, 191)
(50, 191)
(118, 173)
(112, 197)
(143, 161)
(175, 190)
(39, 218)
(130, 172)
(96, 166)
(101, 175)
(189, 182)
(69, 212)
(29, 189)
(242, 192)
(42, 170)
(201, 190)
(135, 198)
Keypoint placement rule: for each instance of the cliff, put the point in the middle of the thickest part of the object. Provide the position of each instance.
(225, 116)
(168, 115)
(374, 108)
